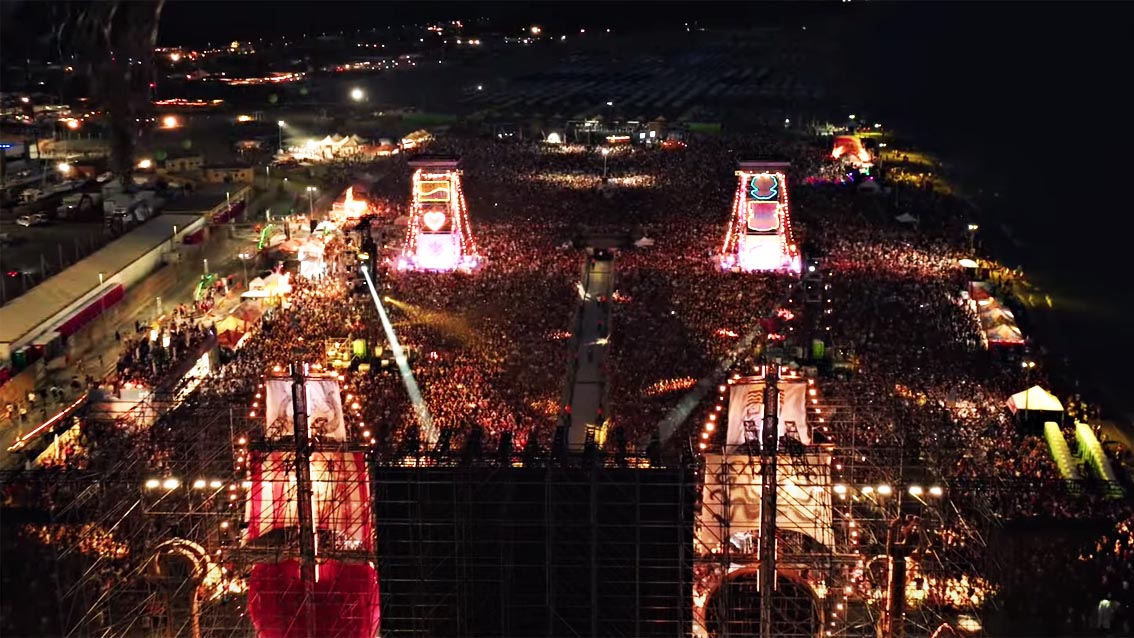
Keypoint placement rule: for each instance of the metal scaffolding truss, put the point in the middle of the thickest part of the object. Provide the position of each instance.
(949, 571)
(129, 533)
(566, 549)
(726, 596)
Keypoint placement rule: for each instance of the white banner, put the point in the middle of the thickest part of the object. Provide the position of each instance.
(746, 403)
(324, 409)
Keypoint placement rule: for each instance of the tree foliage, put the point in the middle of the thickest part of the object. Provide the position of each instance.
(113, 44)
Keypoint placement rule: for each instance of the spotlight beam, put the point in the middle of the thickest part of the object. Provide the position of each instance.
(428, 431)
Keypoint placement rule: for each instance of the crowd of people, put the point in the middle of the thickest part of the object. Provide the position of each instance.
(148, 354)
(491, 350)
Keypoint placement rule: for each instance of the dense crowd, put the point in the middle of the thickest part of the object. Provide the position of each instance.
(149, 354)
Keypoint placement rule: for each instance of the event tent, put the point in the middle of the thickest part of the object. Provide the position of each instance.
(1034, 398)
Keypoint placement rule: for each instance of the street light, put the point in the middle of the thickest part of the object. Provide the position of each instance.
(972, 236)
(605, 152)
(1027, 366)
(357, 94)
(280, 124)
(311, 202)
(244, 262)
(63, 167)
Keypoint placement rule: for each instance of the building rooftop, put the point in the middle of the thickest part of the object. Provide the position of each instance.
(29, 311)
(204, 197)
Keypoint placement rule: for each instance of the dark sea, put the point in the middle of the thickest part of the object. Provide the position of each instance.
(1029, 104)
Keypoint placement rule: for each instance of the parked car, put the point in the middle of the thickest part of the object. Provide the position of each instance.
(28, 221)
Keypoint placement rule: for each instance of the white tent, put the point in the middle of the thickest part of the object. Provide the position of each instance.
(1034, 398)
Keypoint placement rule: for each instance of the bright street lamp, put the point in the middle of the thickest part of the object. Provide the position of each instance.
(244, 262)
(63, 167)
(311, 202)
(357, 94)
(280, 126)
(605, 152)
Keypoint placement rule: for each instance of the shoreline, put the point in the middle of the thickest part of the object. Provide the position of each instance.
(1052, 330)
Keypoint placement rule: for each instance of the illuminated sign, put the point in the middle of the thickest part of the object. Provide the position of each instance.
(764, 187)
(438, 251)
(763, 216)
(434, 220)
(433, 191)
(760, 252)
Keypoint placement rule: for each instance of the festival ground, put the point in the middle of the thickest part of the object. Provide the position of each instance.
(896, 376)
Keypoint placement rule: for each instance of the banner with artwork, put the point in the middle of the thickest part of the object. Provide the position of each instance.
(746, 404)
(341, 497)
(324, 409)
(731, 498)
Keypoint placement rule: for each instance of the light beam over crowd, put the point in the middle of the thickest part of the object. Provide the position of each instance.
(424, 418)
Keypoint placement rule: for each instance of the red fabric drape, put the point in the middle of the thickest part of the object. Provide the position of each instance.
(345, 600)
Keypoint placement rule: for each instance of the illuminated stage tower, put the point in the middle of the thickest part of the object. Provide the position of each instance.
(439, 237)
(759, 232)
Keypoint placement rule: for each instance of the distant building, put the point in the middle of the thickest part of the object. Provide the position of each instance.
(181, 164)
(228, 174)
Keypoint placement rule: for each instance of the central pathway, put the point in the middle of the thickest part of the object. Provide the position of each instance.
(588, 379)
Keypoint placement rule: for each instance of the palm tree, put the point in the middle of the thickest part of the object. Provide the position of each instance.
(113, 42)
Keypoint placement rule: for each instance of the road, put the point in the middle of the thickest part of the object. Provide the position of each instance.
(588, 380)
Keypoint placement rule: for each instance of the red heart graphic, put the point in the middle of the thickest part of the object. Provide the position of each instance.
(434, 221)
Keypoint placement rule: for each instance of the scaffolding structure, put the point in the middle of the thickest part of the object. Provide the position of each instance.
(948, 567)
(146, 540)
(728, 596)
(129, 537)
